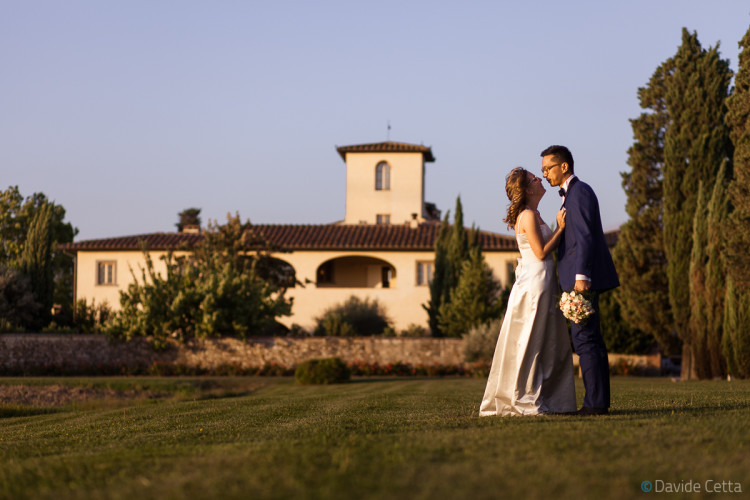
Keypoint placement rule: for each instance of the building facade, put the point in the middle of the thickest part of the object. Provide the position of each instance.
(383, 249)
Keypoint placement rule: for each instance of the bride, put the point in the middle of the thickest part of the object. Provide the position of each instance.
(532, 370)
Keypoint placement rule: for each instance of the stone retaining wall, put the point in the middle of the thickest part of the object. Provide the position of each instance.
(27, 352)
(35, 351)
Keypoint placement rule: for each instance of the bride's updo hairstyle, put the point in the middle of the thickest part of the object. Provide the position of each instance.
(516, 184)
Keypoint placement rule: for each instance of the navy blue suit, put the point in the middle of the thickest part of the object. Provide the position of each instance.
(583, 250)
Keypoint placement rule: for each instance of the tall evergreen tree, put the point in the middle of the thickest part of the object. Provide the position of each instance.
(639, 254)
(715, 272)
(476, 298)
(438, 291)
(738, 120)
(36, 259)
(458, 250)
(698, 307)
(696, 143)
(736, 326)
(736, 340)
(451, 251)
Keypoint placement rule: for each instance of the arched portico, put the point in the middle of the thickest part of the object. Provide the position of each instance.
(355, 272)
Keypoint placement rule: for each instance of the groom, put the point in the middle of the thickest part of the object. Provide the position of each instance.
(583, 264)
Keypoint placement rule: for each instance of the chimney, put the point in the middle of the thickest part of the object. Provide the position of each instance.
(191, 229)
(414, 222)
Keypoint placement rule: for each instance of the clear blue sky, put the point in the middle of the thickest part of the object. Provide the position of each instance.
(127, 112)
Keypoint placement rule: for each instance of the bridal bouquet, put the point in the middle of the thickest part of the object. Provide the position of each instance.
(576, 307)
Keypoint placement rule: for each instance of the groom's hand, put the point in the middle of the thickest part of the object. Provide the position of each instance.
(582, 285)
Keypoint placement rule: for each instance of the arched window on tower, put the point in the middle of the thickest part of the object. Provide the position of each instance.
(383, 177)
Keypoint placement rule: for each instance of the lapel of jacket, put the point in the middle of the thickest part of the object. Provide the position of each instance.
(570, 187)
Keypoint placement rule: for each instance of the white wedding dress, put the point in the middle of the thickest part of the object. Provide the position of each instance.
(532, 370)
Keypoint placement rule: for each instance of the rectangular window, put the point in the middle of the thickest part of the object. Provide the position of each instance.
(424, 273)
(383, 219)
(106, 273)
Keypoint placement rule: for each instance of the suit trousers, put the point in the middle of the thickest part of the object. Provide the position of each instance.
(592, 357)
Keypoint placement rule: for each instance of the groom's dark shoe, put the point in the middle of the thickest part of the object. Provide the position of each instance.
(588, 412)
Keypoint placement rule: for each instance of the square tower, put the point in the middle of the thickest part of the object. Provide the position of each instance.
(385, 183)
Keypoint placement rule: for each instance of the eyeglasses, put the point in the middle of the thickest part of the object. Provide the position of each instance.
(546, 169)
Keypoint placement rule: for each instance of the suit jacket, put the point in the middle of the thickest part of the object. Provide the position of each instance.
(582, 249)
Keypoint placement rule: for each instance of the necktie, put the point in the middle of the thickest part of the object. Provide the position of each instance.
(561, 192)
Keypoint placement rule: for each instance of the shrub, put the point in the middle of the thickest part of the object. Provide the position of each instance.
(619, 336)
(219, 290)
(353, 317)
(18, 307)
(414, 330)
(322, 371)
(480, 342)
(297, 330)
(91, 318)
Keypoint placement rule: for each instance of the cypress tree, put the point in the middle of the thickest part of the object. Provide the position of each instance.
(736, 340)
(451, 250)
(698, 314)
(437, 285)
(458, 251)
(36, 259)
(696, 142)
(736, 326)
(738, 120)
(475, 300)
(715, 272)
(639, 254)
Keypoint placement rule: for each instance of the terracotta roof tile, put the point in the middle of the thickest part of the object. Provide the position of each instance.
(153, 241)
(308, 237)
(387, 147)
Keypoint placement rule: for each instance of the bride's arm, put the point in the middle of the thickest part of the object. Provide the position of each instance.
(529, 225)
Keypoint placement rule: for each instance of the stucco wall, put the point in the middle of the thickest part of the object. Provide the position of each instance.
(402, 301)
(86, 269)
(404, 198)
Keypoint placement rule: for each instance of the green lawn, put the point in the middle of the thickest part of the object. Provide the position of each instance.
(372, 438)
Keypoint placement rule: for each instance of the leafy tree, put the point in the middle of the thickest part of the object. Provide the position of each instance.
(696, 143)
(216, 291)
(18, 307)
(189, 217)
(36, 260)
(16, 214)
(475, 300)
(643, 296)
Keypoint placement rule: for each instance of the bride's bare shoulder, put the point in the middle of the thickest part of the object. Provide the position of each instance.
(523, 219)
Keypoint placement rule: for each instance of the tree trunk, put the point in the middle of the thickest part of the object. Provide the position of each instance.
(688, 371)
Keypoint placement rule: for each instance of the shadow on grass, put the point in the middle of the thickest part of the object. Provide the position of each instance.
(388, 378)
(694, 410)
(25, 411)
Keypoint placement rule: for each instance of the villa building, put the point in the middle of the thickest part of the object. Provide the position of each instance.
(383, 248)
